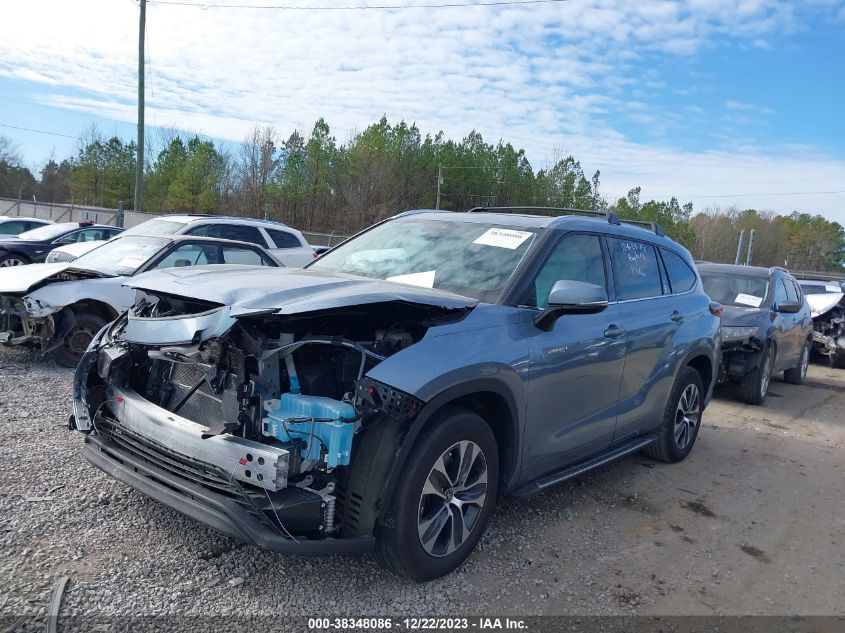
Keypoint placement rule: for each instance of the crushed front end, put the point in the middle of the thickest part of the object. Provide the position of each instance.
(829, 334)
(248, 424)
(27, 318)
(740, 352)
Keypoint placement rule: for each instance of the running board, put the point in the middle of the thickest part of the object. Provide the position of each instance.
(631, 446)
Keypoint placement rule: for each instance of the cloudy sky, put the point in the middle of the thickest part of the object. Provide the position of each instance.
(716, 101)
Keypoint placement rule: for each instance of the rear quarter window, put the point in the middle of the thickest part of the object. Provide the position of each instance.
(682, 278)
(283, 239)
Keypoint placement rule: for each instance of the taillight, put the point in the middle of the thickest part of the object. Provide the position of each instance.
(315, 255)
(716, 309)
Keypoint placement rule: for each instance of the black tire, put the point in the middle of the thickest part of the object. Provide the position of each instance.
(399, 545)
(668, 447)
(837, 359)
(14, 259)
(73, 345)
(798, 374)
(755, 384)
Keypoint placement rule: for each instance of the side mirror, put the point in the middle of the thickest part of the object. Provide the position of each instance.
(789, 307)
(571, 297)
(181, 263)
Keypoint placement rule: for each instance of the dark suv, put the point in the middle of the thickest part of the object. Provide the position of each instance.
(391, 392)
(766, 326)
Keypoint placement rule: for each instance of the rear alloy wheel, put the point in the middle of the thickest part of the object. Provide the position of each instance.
(681, 419)
(755, 384)
(798, 374)
(76, 341)
(445, 495)
(13, 260)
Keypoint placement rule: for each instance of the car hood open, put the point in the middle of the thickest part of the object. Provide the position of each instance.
(821, 303)
(257, 290)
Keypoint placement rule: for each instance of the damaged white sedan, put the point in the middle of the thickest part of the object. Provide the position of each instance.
(60, 307)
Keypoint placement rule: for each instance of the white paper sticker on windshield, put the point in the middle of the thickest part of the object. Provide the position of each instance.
(426, 279)
(833, 288)
(749, 300)
(131, 261)
(503, 238)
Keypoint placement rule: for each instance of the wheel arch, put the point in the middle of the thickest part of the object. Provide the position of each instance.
(703, 364)
(493, 401)
(94, 306)
(12, 253)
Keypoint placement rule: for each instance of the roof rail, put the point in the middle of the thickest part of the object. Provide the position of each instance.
(612, 218)
(654, 227)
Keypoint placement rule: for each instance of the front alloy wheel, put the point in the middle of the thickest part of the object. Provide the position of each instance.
(452, 498)
(444, 496)
(12, 261)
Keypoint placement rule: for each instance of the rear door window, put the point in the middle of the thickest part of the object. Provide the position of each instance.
(681, 277)
(636, 273)
(242, 233)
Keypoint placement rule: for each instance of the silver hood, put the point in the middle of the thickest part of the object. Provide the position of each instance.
(262, 290)
(23, 279)
(821, 303)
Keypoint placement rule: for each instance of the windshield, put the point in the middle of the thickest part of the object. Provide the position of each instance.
(158, 226)
(48, 232)
(735, 290)
(468, 258)
(122, 255)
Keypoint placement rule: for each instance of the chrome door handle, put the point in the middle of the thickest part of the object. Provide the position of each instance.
(676, 316)
(614, 331)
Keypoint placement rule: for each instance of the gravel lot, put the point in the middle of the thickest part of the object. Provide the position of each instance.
(751, 523)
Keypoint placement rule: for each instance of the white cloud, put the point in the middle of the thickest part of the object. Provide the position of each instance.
(540, 76)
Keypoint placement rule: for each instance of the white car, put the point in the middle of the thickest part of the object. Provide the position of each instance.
(60, 307)
(15, 226)
(65, 254)
(286, 244)
(827, 306)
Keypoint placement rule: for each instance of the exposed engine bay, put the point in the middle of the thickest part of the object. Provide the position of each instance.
(829, 334)
(264, 409)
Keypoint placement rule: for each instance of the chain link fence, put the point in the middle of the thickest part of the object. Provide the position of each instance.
(82, 213)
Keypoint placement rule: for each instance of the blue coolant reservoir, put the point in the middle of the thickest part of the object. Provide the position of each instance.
(318, 421)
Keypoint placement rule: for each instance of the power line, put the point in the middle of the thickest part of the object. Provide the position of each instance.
(277, 7)
(26, 129)
(787, 193)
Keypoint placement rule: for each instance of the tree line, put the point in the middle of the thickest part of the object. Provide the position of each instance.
(316, 183)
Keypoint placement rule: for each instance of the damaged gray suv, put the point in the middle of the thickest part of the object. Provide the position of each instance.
(386, 396)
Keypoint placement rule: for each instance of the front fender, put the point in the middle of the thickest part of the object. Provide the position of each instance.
(515, 401)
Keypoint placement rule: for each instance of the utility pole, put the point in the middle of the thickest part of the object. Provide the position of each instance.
(439, 182)
(750, 257)
(139, 168)
(739, 247)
